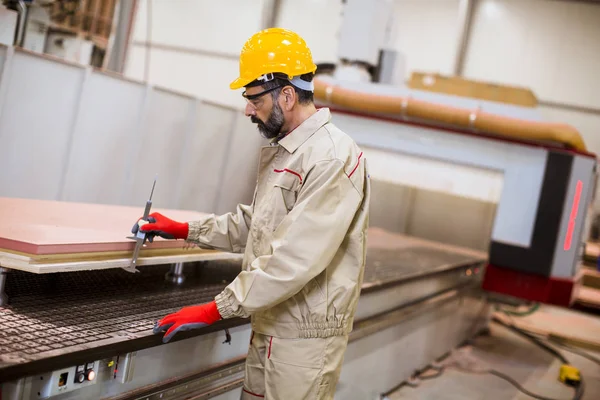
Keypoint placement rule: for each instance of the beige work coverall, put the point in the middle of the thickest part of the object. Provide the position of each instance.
(304, 243)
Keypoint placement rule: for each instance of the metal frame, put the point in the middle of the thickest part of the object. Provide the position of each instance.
(3, 296)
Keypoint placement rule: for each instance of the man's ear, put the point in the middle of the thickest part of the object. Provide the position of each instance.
(289, 97)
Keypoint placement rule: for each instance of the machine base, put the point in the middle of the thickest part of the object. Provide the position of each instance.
(549, 290)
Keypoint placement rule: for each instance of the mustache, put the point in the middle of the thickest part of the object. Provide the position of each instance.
(255, 120)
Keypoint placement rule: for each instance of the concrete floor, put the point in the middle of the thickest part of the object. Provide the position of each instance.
(509, 353)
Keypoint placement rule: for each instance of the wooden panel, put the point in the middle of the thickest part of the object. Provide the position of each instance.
(40, 227)
(472, 89)
(591, 278)
(563, 325)
(589, 297)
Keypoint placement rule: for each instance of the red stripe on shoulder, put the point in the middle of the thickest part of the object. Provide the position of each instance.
(357, 164)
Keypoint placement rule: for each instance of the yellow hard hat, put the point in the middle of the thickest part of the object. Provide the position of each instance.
(270, 51)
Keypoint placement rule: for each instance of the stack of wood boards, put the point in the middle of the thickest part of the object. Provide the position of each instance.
(561, 325)
(43, 236)
(588, 295)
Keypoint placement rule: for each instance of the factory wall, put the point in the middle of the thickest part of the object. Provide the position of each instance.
(71, 133)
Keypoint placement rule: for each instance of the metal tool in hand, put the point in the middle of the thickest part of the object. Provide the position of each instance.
(140, 236)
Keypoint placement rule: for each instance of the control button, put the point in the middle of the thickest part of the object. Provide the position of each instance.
(79, 377)
(91, 374)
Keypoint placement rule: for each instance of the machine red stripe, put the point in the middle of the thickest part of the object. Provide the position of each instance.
(290, 171)
(550, 290)
(253, 394)
(573, 216)
(357, 164)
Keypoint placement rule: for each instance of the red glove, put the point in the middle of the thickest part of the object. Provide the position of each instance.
(162, 226)
(188, 318)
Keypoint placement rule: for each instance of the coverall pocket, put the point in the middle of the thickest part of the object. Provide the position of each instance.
(294, 368)
(282, 202)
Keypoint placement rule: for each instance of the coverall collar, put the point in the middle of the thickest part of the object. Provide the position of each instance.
(305, 130)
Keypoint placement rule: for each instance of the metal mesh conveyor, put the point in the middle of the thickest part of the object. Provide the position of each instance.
(96, 313)
(62, 314)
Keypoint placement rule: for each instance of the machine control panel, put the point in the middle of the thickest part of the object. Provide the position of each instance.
(65, 380)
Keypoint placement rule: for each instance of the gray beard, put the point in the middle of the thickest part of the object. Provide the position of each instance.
(272, 127)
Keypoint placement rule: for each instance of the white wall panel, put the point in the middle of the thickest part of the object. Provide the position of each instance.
(205, 157)
(317, 21)
(427, 34)
(200, 76)
(241, 165)
(106, 133)
(212, 34)
(37, 107)
(162, 139)
(552, 47)
(217, 26)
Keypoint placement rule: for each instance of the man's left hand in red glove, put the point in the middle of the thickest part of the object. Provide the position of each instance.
(188, 318)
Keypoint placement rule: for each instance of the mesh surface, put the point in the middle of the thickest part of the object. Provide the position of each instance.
(59, 311)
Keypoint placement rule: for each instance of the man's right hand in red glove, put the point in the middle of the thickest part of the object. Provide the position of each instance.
(159, 225)
(188, 318)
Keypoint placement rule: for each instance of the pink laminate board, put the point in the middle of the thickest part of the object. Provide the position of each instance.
(42, 227)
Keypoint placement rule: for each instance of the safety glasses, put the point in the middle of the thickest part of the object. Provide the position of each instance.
(255, 100)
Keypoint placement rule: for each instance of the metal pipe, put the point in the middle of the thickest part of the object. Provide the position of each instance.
(19, 39)
(3, 296)
(569, 107)
(270, 13)
(465, 17)
(175, 275)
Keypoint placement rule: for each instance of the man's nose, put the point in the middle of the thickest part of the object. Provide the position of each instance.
(249, 111)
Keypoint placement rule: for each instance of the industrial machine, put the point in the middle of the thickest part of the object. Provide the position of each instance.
(543, 182)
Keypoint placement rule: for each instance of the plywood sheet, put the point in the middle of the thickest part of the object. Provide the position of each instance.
(40, 227)
(589, 297)
(592, 251)
(563, 325)
(591, 278)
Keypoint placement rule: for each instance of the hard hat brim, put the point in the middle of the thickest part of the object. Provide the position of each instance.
(239, 83)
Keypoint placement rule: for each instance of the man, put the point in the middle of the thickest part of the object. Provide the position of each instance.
(303, 236)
